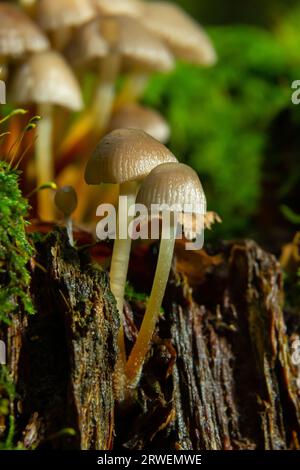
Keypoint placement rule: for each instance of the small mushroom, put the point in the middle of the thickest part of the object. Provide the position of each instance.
(184, 36)
(173, 185)
(66, 201)
(135, 116)
(18, 34)
(134, 50)
(93, 46)
(59, 17)
(124, 157)
(143, 54)
(46, 80)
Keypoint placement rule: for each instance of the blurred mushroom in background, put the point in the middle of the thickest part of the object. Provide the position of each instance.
(46, 80)
(135, 116)
(19, 35)
(184, 36)
(59, 18)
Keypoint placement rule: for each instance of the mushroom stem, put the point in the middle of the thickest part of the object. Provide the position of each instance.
(69, 226)
(44, 160)
(120, 262)
(133, 89)
(105, 91)
(141, 347)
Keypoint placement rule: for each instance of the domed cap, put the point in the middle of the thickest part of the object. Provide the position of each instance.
(125, 155)
(56, 14)
(134, 116)
(140, 48)
(46, 78)
(18, 33)
(66, 200)
(119, 7)
(88, 43)
(173, 184)
(184, 36)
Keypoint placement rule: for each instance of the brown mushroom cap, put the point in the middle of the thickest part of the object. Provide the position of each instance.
(140, 49)
(66, 200)
(173, 184)
(119, 7)
(125, 155)
(18, 33)
(88, 43)
(54, 14)
(134, 116)
(182, 34)
(46, 78)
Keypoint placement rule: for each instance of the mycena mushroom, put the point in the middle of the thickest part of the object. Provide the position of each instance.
(124, 157)
(177, 189)
(46, 79)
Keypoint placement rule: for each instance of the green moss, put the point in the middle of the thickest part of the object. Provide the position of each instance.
(15, 250)
(221, 118)
(7, 396)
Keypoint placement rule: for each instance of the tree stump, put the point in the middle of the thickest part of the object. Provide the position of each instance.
(218, 376)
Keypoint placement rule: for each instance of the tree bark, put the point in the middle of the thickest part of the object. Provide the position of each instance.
(219, 374)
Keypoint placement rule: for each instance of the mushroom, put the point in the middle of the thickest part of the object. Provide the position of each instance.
(59, 17)
(135, 116)
(94, 47)
(18, 34)
(143, 54)
(184, 36)
(111, 44)
(46, 80)
(124, 157)
(66, 201)
(178, 187)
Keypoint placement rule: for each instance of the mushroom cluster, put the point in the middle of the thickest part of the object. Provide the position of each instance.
(50, 48)
(82, 66)
(147, 173)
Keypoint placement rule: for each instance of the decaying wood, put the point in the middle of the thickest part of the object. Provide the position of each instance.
(63, 357)
(218, 376)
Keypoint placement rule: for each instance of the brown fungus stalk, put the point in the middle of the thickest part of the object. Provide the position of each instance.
(175, 188)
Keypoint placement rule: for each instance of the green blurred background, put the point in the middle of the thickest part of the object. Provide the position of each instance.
(235, 123)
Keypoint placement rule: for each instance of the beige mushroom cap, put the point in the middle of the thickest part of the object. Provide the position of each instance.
(119, 7)
(185, 37)
(18, 33)
(54, 14)
(46, 78)
(134, 116)
(125, 155)
(174, 184)
(88, 43)
(140, 48)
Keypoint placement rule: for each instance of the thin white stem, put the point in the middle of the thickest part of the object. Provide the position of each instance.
(44, 161)
(69, 226)
(118, 277)
(120, 260)
(141, 347)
